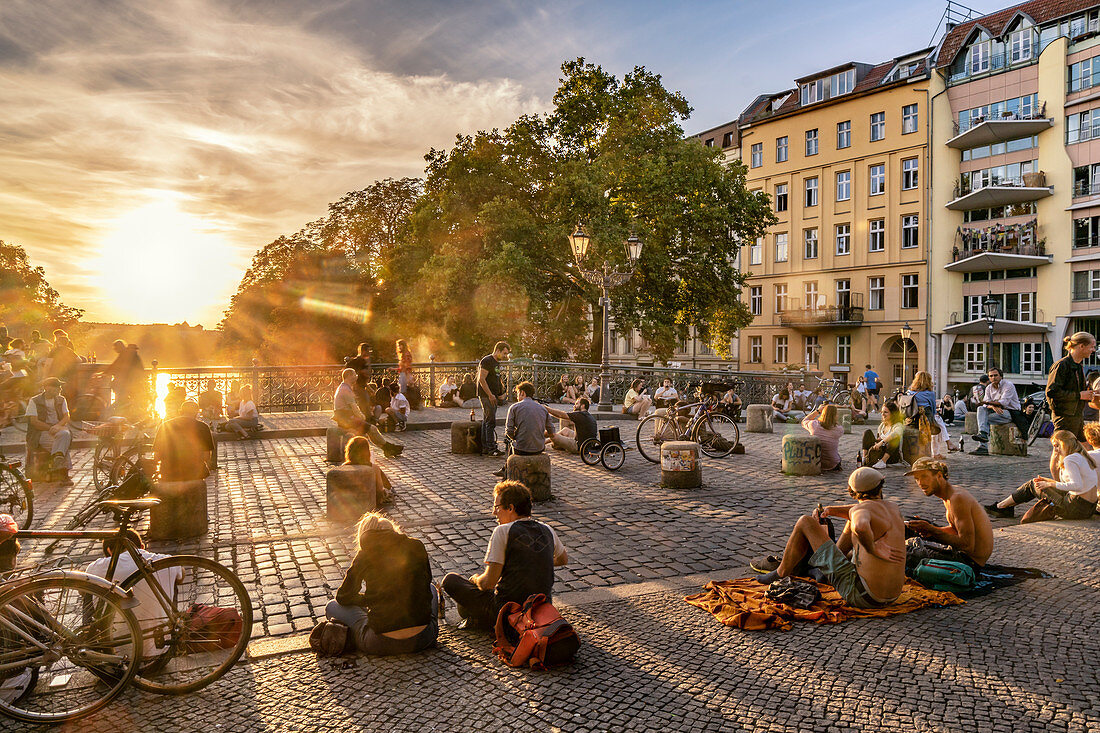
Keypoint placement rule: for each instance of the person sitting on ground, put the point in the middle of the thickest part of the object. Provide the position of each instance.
(575, 427)
(357, 453)
(232, 400)
(577, 388)
(593, 390)
(857, 403)
(636, 401)
(346, 414)
(381, 398)
(968, 535)
(884, 447)
(519, 563)
(1072, 496)
(960, 409)
(247, 421)
(174, 400)
(467, 392)
(866, 565)
(998, 403)
(387, 599)
(559, 392)
(399, 407)
(947, 409)
(48, 427)
(798, 399)
(448, 393)
(822, 424)
(527, 425)
(183, 446)
(783, 407)
(730, 403)
(666, 395)
(211, 403)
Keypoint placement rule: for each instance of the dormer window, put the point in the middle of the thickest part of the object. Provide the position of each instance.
(1020, 44)
(978, 57)
(813, 91)
(819, 90)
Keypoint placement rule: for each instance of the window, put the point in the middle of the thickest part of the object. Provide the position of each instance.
(756, 349)
(908, 174)
(780, 247)
(628, 342)
(878, 180)
(975, 358)
(756, 158)
(781, 149)
(781, 350)
(876, 287)
(781, 197)
(813, 91)
(781, 298)
(843, 185)
(1080, 74)
(612, 341)
(811, 349)
(811, 191)
(756, 300)
(727, 140)
(843, 239)
(978, 57)
(843, 349)
(878, 126)
(844, 134)
(709, 142)
(809, 293)
(809, 238)
(811, 142)
(876, 235)
(1020, 45)
(908, 119)
(1032, 358)
(756, 251)
(909, 291)
(843, 293)
(910, 231)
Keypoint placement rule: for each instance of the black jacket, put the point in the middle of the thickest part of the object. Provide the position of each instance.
(1065, 383)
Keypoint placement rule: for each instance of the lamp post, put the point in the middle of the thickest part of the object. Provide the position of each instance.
(991, 308)
(606, 276)
(906, 332)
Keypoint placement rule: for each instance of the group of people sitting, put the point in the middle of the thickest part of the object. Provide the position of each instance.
(238, 415)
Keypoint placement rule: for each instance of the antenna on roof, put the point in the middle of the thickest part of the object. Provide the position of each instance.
(954, 14)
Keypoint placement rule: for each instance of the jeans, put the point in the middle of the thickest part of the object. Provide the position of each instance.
(479, 606)
(402, 381)
(987, 417)
(488, 425)
(1066, 505)
(369, 641)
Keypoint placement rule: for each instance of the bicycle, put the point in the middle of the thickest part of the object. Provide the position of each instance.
(835, 391)
(116, 438)
(717, 434)
(136, 484)
(1041, 416)
(16, 493)
(174, 644)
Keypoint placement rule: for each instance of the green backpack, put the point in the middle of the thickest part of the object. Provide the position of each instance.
(945, 575)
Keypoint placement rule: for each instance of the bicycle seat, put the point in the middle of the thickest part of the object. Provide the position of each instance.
(130, 504)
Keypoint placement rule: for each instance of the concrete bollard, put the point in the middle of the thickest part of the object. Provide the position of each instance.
(336, 438)
(758, 419)
(1004, 441)
(801, 455)
(844, 419)
(465, 437)
(533, 472)
(350, 492)
(680, 465)
(182, 512)
(970, 426)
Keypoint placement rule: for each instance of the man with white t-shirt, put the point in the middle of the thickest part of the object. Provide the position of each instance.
(399, 407)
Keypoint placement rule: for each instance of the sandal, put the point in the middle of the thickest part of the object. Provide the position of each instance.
(766, 564)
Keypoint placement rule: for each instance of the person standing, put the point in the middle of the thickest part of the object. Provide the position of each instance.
(404, 365)
(871, 378)
(361, 363)
(490, 390)
(1066, 393)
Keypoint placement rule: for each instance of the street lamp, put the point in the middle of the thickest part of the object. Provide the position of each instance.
(906, 332)
(605, 276)
(991, 308)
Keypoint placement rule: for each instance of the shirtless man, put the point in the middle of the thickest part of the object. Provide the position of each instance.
(867, 565)
(968, 534)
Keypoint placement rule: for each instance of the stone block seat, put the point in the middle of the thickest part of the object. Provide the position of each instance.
(1004, 440)
(336, 439)
(182, 512)
(970, 425)
(758, 419)
(533, 472)
(680, 465)
(465, 437)
(844, 419)
(801, 455)
(350, 492)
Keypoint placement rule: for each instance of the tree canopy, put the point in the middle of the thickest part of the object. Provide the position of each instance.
(26, 298)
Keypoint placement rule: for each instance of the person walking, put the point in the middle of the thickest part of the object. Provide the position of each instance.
(871, 378)
(1066, 392)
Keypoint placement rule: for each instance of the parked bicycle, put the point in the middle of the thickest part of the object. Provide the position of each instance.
(137, 483)
(16, 492)
(172, 626)
(1040, 417)
(119, 445)
(835, 391)
(717, 434)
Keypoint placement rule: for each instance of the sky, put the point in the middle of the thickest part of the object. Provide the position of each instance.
(149, 149)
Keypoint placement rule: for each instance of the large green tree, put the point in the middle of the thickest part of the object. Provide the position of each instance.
(26, 298)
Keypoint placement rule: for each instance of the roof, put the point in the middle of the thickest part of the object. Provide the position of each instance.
(1040, 11)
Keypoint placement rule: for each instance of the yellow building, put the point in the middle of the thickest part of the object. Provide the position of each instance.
(844, 158)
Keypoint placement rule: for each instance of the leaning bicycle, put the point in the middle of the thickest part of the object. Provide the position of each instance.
(717, 434)
(16, 494)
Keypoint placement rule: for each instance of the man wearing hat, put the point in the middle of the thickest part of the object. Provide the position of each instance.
(48, 427)
(866, 565)
(968, 536)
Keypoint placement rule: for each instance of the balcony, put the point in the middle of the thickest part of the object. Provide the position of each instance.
(825, 316)
(993, 63)
(1030, 187)
(1009, 126)
(998, 247)
(1014, 321)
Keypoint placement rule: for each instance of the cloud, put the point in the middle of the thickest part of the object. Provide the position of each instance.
(251, 121)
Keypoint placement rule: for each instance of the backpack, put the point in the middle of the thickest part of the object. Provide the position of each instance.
(210, 628)
(534, 635)
(908, 405)
(945, 575)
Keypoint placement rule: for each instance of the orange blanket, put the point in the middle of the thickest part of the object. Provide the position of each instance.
(742, 604)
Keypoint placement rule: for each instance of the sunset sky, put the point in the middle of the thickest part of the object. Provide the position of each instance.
(149, 148)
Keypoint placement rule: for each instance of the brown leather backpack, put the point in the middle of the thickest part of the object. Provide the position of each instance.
(534, 635)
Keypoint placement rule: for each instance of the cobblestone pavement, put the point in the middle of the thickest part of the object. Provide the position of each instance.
(1022, 659)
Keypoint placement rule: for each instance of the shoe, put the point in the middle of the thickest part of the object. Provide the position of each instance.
(981, 437)
(442, 614)
(766, 564)
(392, 450)
(59, 463)
(400, 428)
(879, 466)
(494, 453)
(997, 513)
(500, 473)
(768, 578)
(981, 450)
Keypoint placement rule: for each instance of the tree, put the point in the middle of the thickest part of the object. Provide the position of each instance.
(26, 298)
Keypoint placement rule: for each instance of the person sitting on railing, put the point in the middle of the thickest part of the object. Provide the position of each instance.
(346, 414)
(247, 422)
(636, 401)
(575, 427)
(666, 395)
(467, 392)
(211, 402)
(448, 393)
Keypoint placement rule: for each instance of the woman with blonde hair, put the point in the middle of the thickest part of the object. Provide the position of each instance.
(1067, 393)
(387, 603)
(1072, 496)
(404, 365)
(822, 424)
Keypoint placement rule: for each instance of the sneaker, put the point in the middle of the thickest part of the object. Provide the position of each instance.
(766, 564)
(494, 453)
(997, 513)
(981, 437)
(392, 450)
(981, 450)
(501, 472)
(879, 466)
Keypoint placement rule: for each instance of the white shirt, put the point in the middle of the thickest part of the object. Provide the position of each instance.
(247, 409)
(149, 612)
(498, 542)
(51, 417)
(665, 393)
(399, 403)
(1078, 477)
(1005, 394)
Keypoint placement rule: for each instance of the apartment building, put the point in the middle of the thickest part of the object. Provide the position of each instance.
(844, 158)
(1015, 148)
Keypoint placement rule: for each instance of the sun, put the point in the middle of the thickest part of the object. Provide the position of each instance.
(157, 264)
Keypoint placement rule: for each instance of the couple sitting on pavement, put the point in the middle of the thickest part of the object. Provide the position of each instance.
(1073, 495)
(866, 565)
(347, 414)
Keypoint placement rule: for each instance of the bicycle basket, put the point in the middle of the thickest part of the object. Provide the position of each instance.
(713, 388)
(610, 434)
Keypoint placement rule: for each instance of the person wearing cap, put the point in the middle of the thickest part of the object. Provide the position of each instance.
(968, 536)
(183, 445)
(866, 565)
(48, 427)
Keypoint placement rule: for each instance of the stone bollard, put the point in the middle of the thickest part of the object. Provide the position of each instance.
(680, 465)
(970, 426)
(336, 438)
(350, 492)
(533, 472)
(465, 437)
(213, 466)
(801, 455)
(759, 419)
(182, 512)
(844, 419)
(1004, 441)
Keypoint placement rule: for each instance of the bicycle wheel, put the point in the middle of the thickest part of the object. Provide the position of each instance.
(67, 648)
(16, 496)
(128, 461)
(590, 452)
(613, 456)
(185, 650)
(653, 431)
(1036, 425)
(106, 453)
(717, 435)
(842, 398)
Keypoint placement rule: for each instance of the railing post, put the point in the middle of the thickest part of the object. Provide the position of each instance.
(535, 372)
(153, 384)
(256, 381)
(431, 379)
